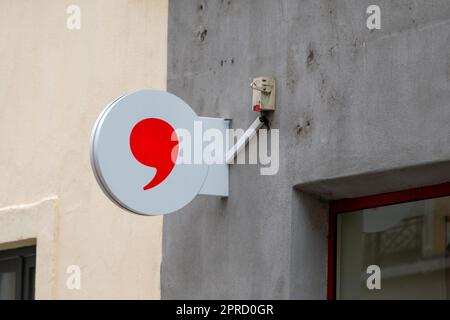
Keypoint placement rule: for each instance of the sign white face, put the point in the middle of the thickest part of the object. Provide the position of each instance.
(134, 148)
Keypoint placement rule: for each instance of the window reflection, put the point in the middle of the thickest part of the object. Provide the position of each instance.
(7, 286)
(409, 241)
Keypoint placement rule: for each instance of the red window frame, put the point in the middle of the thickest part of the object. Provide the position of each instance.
(360, 203)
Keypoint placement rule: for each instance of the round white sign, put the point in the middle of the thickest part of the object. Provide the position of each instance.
(134, 148)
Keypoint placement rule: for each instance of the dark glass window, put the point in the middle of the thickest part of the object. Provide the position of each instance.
(17, 273)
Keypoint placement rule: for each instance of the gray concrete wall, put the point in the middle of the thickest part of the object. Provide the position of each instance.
(353, 104)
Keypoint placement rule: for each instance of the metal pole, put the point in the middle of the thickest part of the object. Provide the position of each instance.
(246, 137)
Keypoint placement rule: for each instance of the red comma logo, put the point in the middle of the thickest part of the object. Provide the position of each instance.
(154, 143)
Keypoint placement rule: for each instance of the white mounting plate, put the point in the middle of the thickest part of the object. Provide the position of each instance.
(216, 182)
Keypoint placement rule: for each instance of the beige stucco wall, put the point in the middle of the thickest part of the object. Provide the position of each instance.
(53, 84)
